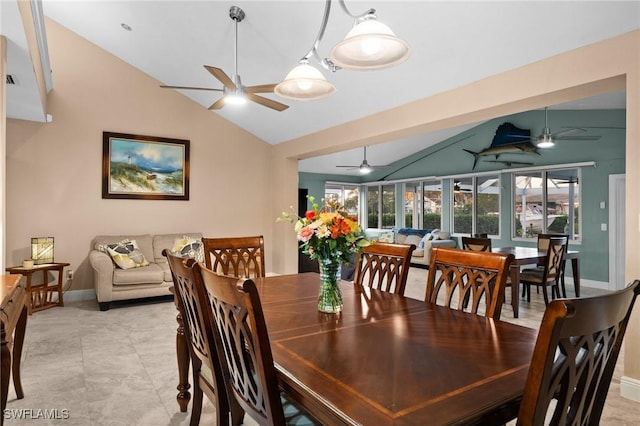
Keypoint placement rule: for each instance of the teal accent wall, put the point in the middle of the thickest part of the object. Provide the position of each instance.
(448, 158)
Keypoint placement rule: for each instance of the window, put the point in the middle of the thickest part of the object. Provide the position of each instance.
(547, 202)
(463, 205)
(381, 206)
(476, 205)
(347, 196)
(423, 204)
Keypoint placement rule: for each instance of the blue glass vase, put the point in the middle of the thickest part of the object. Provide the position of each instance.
(330, 296)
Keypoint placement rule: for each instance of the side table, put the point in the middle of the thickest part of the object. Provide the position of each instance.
(41, 295)
(13, 318)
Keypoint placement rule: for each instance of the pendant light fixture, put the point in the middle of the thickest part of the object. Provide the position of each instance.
(370, 45)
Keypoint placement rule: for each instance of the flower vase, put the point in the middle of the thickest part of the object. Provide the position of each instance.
(330, 297)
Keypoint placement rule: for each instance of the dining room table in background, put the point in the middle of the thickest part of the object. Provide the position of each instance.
(530, 256)
(389, 359)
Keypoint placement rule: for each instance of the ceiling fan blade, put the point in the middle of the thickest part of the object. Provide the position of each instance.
(568, 132)
(269, 103)
(262, 88)
(218, 104)
(189, 88)
(222, 76)
(578, 138)
(349, 166)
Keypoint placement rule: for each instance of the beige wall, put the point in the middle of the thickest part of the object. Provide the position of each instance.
(610, 65)
(3, 148)
(54, 169)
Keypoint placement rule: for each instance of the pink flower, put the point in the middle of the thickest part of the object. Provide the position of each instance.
(305, 233)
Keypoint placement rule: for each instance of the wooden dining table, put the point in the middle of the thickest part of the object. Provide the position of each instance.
(392, 360)
(530, 256)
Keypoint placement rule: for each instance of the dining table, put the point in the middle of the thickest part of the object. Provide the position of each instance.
(387, 359)
(530, 256)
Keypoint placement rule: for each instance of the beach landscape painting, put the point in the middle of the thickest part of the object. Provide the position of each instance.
(144, 167)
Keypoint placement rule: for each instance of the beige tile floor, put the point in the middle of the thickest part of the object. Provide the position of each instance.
(119, 367)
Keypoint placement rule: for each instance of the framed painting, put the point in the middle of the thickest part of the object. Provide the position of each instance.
(144, 167)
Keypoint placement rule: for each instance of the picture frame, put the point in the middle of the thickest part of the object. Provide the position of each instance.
(144, 167)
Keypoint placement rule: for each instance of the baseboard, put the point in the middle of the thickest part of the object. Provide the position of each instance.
(630, 388)
(601, 285)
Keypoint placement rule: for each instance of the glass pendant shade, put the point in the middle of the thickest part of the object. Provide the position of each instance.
(304, 83)
(370, 45)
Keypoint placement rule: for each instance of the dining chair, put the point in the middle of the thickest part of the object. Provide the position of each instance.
(235, 256)
(476, 244)
(574, 359)
(207, 372)
(471, 276)
(384, 266)
(243, 346)
(550, 274)
(543, 244)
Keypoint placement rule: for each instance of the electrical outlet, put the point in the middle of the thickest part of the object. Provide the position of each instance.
(70, 274)
(603, 226)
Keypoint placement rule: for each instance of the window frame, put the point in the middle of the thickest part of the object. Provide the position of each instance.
(497, 174)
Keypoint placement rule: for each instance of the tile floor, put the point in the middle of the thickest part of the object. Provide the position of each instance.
(87, 367)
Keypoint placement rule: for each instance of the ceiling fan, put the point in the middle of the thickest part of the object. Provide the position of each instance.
(233, 91)
(364, 167)
(547, 139)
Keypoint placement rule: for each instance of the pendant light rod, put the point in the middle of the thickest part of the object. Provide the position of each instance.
(326, 62)
(362, 15)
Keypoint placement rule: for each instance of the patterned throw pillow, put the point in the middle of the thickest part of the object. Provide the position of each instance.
(386, 237)
(188, 247)
(126, 254)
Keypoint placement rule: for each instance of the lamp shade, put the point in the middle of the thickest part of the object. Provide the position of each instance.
(370, 45)
(304, 83)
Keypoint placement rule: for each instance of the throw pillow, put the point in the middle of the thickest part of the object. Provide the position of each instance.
(427, 237)
(126, 254)
(188, 247)
(413, 239)
(386, 237)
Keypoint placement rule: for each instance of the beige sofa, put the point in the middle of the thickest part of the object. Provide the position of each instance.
(424, 241)
(151, 278)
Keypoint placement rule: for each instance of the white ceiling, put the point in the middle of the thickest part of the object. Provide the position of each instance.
(453, 43)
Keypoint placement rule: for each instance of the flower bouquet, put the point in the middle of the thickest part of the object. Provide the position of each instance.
(327, 234)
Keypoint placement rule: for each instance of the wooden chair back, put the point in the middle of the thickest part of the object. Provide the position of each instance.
(574, 358)
(543, 242)
(471, 276)
(235, 256)
(199, 331)
(476, 244)
(550, 274)
(243, 345)
(384, 266)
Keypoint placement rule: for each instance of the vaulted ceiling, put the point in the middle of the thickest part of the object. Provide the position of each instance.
(453, 43)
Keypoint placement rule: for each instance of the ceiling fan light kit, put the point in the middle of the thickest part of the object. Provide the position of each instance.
(370, 45)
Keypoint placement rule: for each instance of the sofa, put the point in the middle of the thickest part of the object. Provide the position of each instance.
(423, 239)
(133, 267)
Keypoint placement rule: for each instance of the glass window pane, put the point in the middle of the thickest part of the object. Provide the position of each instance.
(352, 201)
(432, 205)
(563, 202)
(528, 204)
(388, 206)
(488, 205)
(373, 193)
(412, 211)
(462, 205)
(332, 194)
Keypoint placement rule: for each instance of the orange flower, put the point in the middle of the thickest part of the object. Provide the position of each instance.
(310, 215)
(339, 227)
